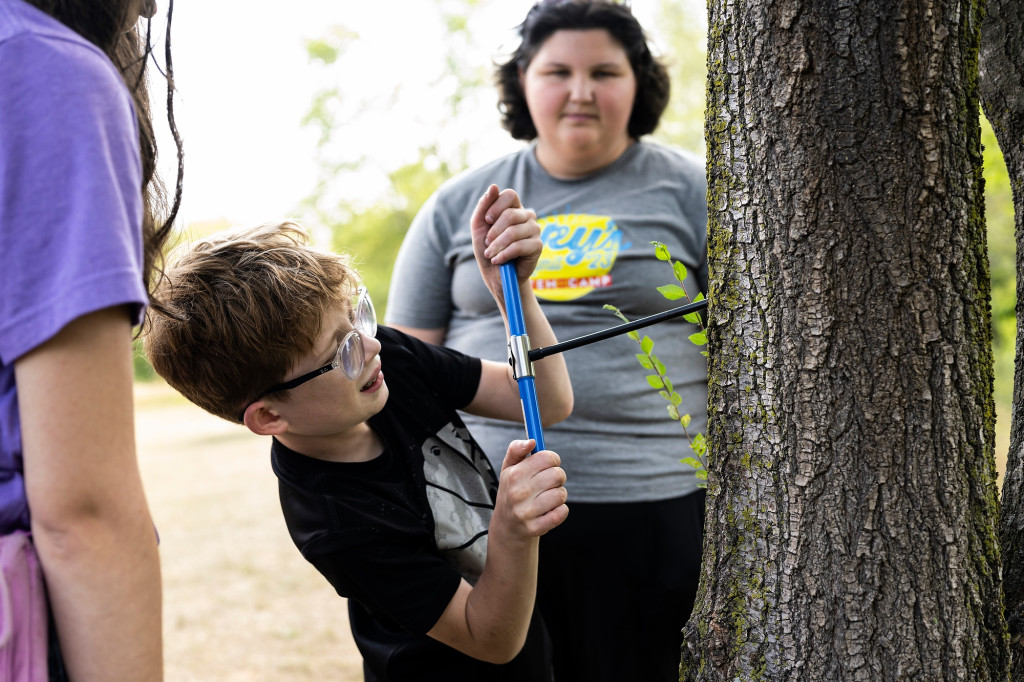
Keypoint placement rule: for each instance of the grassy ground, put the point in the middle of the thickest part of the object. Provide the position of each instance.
(240, 602)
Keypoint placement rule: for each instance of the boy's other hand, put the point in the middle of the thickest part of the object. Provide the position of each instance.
(504, 231)
(531, 492)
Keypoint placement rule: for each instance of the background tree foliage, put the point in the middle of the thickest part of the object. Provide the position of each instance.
(1003, 270)
(372, 227)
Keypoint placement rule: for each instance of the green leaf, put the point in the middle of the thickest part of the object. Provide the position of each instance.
(634, 335)
(698, 297)
(647, 345)
(704, 353)
(676, 399)
(658, 364)
(699, 445)
(702, 474)
(655, 381)
(672, 292)
(665, 395)
(692, 461)
(661, 251)
(672, 411)
(680, 271)
(668, 384)
(699, 338)
(693, 318)
(644, 361)
(618, 313)
(685, 420)
(322, 51)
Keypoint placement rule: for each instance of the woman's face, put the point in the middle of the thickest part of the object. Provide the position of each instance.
(580, 89)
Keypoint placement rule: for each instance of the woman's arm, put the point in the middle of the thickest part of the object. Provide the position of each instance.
(434, 336)
(90, 521)
(503, 232)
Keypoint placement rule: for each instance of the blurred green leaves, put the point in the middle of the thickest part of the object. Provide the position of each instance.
(1002, 251)
(370, 224)
(371, 227)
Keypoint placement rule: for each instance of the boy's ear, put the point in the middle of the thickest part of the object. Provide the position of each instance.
(262, 420)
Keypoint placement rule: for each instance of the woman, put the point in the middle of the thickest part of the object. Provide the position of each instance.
(78, 240)
(618, 579)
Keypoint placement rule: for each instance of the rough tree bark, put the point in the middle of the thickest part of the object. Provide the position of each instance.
(852, 507)
(1001, 85)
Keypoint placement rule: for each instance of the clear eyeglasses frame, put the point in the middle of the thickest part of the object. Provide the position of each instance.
(350, 356)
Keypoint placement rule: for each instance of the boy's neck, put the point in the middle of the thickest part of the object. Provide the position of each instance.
(358, 444)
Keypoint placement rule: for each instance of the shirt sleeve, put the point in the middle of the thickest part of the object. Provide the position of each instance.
(420, 292)
(70, 190)
(451, 375)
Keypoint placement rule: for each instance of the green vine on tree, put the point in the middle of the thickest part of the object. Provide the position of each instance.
(659, 381)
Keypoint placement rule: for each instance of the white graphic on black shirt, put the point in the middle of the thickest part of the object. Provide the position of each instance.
(458, 479)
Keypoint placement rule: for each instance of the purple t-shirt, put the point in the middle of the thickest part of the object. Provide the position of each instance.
(70, 204)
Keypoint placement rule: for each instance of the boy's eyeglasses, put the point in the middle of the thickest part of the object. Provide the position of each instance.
(349, 356)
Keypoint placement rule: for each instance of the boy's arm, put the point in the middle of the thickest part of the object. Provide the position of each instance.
(489, 621)
(504, 231)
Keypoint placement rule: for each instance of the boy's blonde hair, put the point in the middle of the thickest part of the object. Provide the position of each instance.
(238, 311)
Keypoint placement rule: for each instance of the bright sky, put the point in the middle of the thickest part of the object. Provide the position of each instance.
(245, 83)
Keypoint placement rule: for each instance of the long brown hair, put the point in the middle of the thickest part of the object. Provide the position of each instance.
(102, 23)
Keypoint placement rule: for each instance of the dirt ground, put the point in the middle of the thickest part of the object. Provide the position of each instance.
(240, 602)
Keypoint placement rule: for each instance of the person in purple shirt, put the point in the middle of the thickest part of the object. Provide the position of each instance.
(79, 238)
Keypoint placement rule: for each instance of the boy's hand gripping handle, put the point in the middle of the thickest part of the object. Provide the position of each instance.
(519, 348)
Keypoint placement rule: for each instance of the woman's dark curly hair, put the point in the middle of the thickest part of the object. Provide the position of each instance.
(549, 16)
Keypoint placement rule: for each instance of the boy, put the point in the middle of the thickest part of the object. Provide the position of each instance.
(382, 487)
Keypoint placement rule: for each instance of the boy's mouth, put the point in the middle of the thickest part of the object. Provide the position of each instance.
(374, 381)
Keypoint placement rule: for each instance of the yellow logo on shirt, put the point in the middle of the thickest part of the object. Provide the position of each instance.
(579, 252)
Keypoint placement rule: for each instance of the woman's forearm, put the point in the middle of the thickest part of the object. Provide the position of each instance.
(90, 522)
(554, 389)
(103, 583)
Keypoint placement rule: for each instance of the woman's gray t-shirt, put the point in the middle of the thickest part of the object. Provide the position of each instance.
(620, 444)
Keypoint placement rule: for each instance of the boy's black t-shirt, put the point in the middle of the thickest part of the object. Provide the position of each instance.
(395, 535)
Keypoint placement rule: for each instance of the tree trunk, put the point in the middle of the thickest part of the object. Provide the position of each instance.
(1002, 93)
(851, 527)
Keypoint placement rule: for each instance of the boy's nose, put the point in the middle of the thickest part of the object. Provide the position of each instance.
(371, 346)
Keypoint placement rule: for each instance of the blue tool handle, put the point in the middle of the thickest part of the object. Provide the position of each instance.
(517, 327)
(513, 304)
(531, 412)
